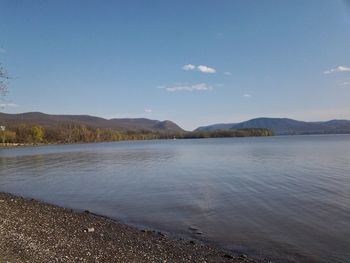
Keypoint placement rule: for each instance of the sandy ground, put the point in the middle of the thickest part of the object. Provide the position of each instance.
(33, 231)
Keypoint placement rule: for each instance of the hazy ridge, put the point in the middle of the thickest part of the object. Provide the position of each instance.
(285, 126)
(50, 121)
(280, 126)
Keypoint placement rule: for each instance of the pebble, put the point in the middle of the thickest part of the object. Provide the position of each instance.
(89, 229)
(243, 256)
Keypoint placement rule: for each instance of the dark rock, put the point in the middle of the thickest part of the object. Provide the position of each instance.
(228, 256)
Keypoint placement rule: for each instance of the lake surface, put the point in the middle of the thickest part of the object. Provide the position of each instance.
(285, 197)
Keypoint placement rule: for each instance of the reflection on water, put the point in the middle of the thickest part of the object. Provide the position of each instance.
(286, 197)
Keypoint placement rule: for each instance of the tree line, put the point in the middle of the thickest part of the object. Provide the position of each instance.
(72, 133)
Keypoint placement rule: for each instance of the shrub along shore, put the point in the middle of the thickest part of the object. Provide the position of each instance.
(33, 231)
(36, 134)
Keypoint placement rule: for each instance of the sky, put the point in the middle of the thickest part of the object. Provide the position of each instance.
(193, 62)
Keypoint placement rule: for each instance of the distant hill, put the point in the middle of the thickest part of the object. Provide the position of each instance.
(51, 121)
(284, 126)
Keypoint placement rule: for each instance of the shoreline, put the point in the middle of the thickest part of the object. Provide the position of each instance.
(25, 145)
(35, 231)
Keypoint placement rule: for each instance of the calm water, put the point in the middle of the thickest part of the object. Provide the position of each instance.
(285, 197)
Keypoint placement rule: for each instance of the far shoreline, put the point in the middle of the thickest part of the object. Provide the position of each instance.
(32, 145)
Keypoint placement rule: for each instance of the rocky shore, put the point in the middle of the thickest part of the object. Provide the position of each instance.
(33, 231)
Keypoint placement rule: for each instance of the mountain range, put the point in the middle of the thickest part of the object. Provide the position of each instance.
(284, 126)
(51, 121)
(280, 126)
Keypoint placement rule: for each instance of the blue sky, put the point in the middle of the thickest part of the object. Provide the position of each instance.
(193, 62)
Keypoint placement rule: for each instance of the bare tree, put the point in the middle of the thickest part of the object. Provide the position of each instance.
(4, 78)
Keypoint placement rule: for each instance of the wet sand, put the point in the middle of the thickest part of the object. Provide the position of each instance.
(33, 231)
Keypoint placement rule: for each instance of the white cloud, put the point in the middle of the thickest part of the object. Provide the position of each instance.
(337, 69)
(148, 110)
(201, 68)
(247, 95)
(227, 73)
(189, 67)
(344, 83)
(2, 50)
(3, 105)
(206, 69)
(187, 87)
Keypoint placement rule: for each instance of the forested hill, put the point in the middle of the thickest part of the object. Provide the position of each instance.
(52, 121)
(35, 128)
(284, 126)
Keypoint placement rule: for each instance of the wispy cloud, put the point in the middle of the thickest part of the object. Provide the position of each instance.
(344, 83)
(200, 68)
(189, 67)
(187, 87)
(2, 50)
(247, 95)
(4, 105)
(337, 69)
(148, 110)
(227, 73)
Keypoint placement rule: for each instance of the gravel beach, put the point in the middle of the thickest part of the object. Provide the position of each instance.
(33, 231)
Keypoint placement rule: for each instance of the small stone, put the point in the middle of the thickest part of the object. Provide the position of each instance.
(1, 201)
(243, 256)
(89, 229)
